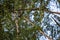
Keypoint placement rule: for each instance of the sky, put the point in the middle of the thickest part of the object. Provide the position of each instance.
(53, 6)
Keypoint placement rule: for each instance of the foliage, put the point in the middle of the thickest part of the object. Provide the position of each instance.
(20, 10)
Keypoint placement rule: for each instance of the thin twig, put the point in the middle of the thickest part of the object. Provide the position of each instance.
(29, 21)
(45, 35)
(16, 22)
(52, 12)
(21, 9)
(39, 30)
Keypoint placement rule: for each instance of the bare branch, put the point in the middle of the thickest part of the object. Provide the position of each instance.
(16, 22)
(21, 9)
(52, 12)
(39, 30)
(56, 21)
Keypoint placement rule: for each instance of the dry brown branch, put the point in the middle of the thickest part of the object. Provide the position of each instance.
(16, 22)
(45, 35)
(29, 21)
(21, 9)
(52, 12)
(39, 30)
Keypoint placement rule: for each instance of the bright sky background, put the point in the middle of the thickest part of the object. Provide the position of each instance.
(53, 7)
